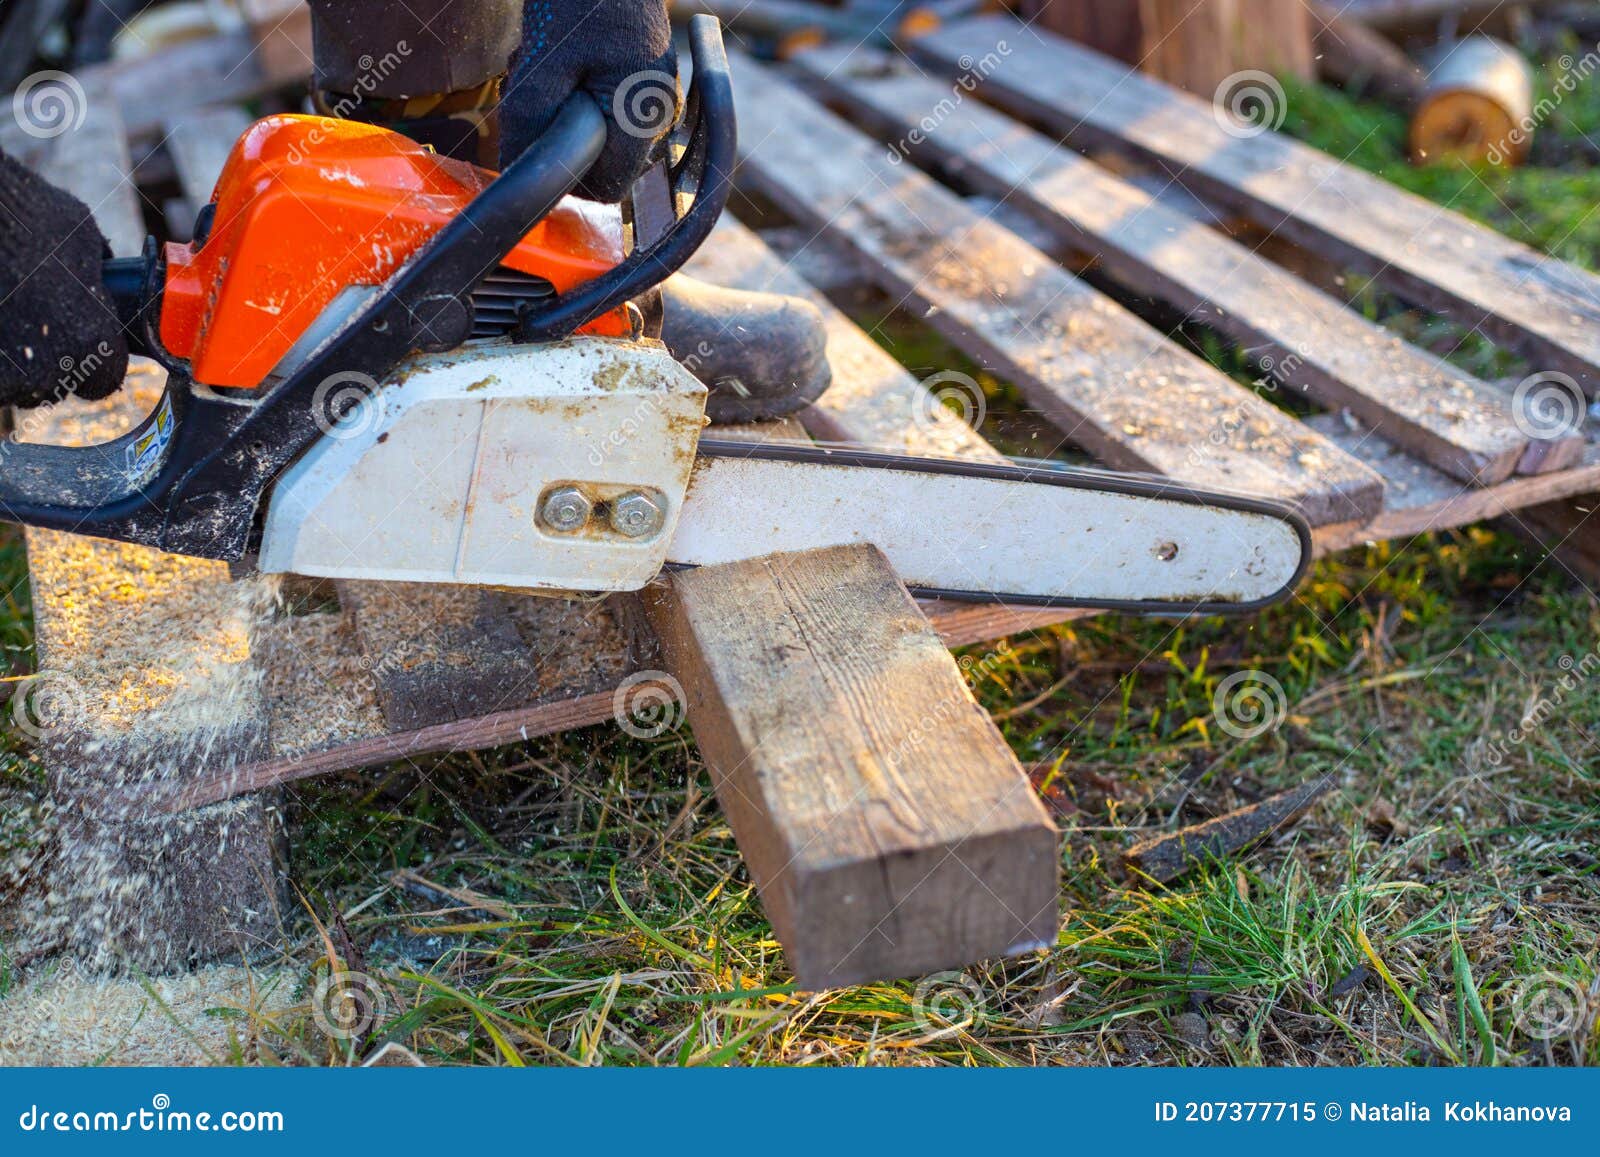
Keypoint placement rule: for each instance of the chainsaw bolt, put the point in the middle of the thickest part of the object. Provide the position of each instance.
(565, 509)
(636, 515)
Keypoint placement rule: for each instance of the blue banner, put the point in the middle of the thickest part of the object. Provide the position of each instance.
(1184, 1111)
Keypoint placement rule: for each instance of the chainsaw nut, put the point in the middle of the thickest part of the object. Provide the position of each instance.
(636, 515)
(565, 509)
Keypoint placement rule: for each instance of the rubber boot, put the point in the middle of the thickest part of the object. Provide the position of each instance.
(763, 356)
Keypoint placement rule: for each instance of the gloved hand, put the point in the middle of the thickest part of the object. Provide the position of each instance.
(59, 333)
(618, 51)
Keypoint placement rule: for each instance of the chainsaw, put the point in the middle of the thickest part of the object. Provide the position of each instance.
(387, 364)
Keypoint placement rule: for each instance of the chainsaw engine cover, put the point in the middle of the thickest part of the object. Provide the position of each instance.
(307, 207)
(560, 466)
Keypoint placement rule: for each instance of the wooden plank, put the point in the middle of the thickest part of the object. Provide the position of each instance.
(325, 715)
(1421, 499)
(903, 836)
(200, 142)
(148, 677)
(1423, 251)
(1310, 341)
(873, 400)
(92, 162)
(1109, 382)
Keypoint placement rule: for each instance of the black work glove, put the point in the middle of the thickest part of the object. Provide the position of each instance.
(619, 52)
(59, 333)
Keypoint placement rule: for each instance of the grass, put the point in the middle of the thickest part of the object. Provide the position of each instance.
(1439, 907)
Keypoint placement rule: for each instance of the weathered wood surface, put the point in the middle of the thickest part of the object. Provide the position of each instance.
(1110, 383)
(1421, 499)
(199, 142)
(439, 653)
(1310, 341)
(1423, 251)
(91, 160)
(1194, 44)
(903, 836)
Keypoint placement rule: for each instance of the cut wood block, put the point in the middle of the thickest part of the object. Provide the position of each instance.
(439, 653)
(1108, 382)
(148, 678)
(888, 827)
(1425, 253)
(1305, 339)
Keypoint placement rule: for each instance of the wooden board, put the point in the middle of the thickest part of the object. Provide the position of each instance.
(1310, 341)
(1109, 382)
(1426, 253)
(902, 836)
(93, 163)
(200, 141)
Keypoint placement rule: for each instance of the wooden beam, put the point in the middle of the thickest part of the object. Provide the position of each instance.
(1109, 382)
(902, 836)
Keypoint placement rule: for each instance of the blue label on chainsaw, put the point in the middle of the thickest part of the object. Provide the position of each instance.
(146, 452)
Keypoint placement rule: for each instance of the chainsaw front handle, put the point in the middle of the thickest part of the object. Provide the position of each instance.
(191, 478)
(703, 172)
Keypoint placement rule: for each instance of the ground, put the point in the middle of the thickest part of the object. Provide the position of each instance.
(581, 901)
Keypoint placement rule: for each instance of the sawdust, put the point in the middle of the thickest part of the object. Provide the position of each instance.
(64, 1017)
(146, 675)
(319, 693)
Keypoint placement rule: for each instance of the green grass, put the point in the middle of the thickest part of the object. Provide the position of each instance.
(1440, 906)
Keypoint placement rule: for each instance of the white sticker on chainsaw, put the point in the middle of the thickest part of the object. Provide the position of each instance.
(145, 454)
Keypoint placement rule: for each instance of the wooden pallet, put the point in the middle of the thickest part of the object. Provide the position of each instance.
(1403, 443)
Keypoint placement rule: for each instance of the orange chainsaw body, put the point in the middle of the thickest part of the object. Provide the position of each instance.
(307, 206)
